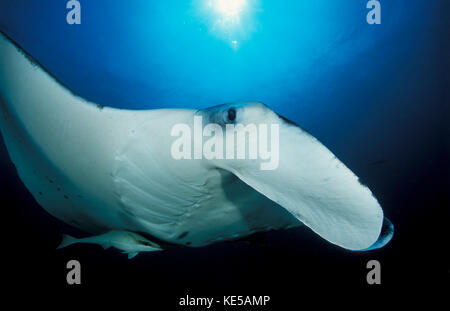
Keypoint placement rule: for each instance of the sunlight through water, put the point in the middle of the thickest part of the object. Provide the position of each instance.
(230, 20)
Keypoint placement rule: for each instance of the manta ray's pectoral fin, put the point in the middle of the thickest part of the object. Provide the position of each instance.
(387, 232)
(318, 189)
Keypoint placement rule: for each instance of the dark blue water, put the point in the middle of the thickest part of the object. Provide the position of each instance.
(376, 95)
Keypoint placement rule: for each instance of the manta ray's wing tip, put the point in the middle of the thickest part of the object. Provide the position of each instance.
(386, 234)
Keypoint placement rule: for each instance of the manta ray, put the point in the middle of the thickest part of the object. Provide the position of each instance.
(110, 173)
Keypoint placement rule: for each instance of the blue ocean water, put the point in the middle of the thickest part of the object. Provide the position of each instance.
(152, 54)
(376, 95)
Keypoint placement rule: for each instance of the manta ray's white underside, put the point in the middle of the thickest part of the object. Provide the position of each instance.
(104, 169)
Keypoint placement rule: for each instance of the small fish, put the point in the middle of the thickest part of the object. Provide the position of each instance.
(129, 242)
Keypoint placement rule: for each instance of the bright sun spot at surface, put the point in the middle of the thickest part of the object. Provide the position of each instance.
(231, 19)
(230, 8)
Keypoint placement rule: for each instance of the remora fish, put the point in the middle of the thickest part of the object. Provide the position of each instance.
(129, 242)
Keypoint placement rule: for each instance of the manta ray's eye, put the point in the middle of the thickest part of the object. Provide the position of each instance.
(231, 114)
